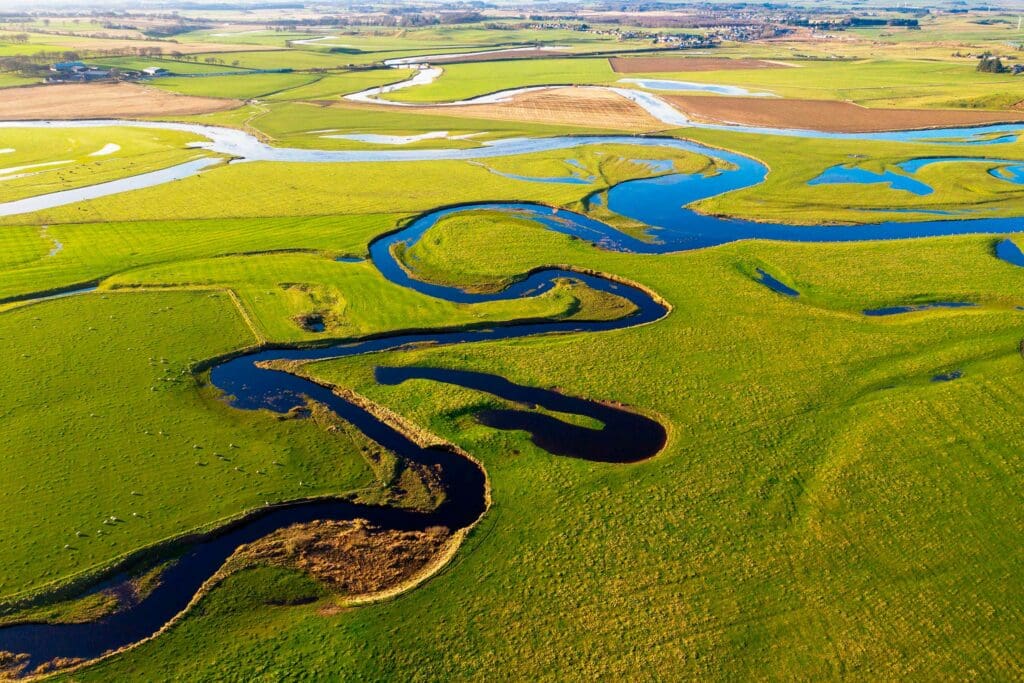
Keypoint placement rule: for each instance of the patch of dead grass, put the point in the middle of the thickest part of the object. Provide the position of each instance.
(352, 557)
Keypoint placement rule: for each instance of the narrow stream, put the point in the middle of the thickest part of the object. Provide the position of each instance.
(624, 436)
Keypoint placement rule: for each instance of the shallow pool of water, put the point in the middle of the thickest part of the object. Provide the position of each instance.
(913, 308)
(862, 176)
(1008, 251)
(774, 284)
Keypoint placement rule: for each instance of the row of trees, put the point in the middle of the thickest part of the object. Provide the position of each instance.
(206, 60)
(38, 64)
(991, 65)
(34, 66)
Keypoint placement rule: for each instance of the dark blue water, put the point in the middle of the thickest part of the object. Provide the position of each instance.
(775, 285)
(948, 376)
(660, 203)
(623, 437)
(1008, 251)
(912, 308)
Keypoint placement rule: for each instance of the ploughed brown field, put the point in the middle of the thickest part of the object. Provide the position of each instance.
(101, 100)
(561, 105)
(644, 65)
(830, 116)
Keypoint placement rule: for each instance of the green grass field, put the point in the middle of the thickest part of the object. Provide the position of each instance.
(785, 195)
(175, 66)
(285, 59)
(239, 87)
(39, 160)
(907, 82)
(335, 85)
(813, 474)
(149, 459)
(462, 81)
(823, 508)
(304, 124)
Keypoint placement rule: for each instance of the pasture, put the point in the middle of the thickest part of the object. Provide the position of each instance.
(745, 521)
(838, 495)
(238, 87)
(43, 160)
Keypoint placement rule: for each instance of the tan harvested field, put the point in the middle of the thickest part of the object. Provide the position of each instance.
(101, 100)
(564, 105)
(831, 116)
(643, 65)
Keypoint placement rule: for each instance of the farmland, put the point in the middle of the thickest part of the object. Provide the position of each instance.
(41, 161)
(101, 100)
(217, 470)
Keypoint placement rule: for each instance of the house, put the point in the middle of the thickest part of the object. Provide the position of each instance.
(156, 71)
(78, 72)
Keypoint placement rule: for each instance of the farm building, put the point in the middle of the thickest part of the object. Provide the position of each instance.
(67, 67)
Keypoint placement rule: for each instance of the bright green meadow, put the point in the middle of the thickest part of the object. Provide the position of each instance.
(823, 509)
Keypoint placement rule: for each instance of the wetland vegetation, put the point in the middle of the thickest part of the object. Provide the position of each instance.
(527, 393)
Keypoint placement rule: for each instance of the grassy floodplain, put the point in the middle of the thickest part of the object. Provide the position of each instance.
(823, 509)
(785, 195)
(746, 520)
(239, 87)
(137, 438)
(307, 189)
(908, 83)
(38, 161)
(775, 483)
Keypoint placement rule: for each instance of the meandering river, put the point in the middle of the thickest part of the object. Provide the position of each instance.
(625, 436)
